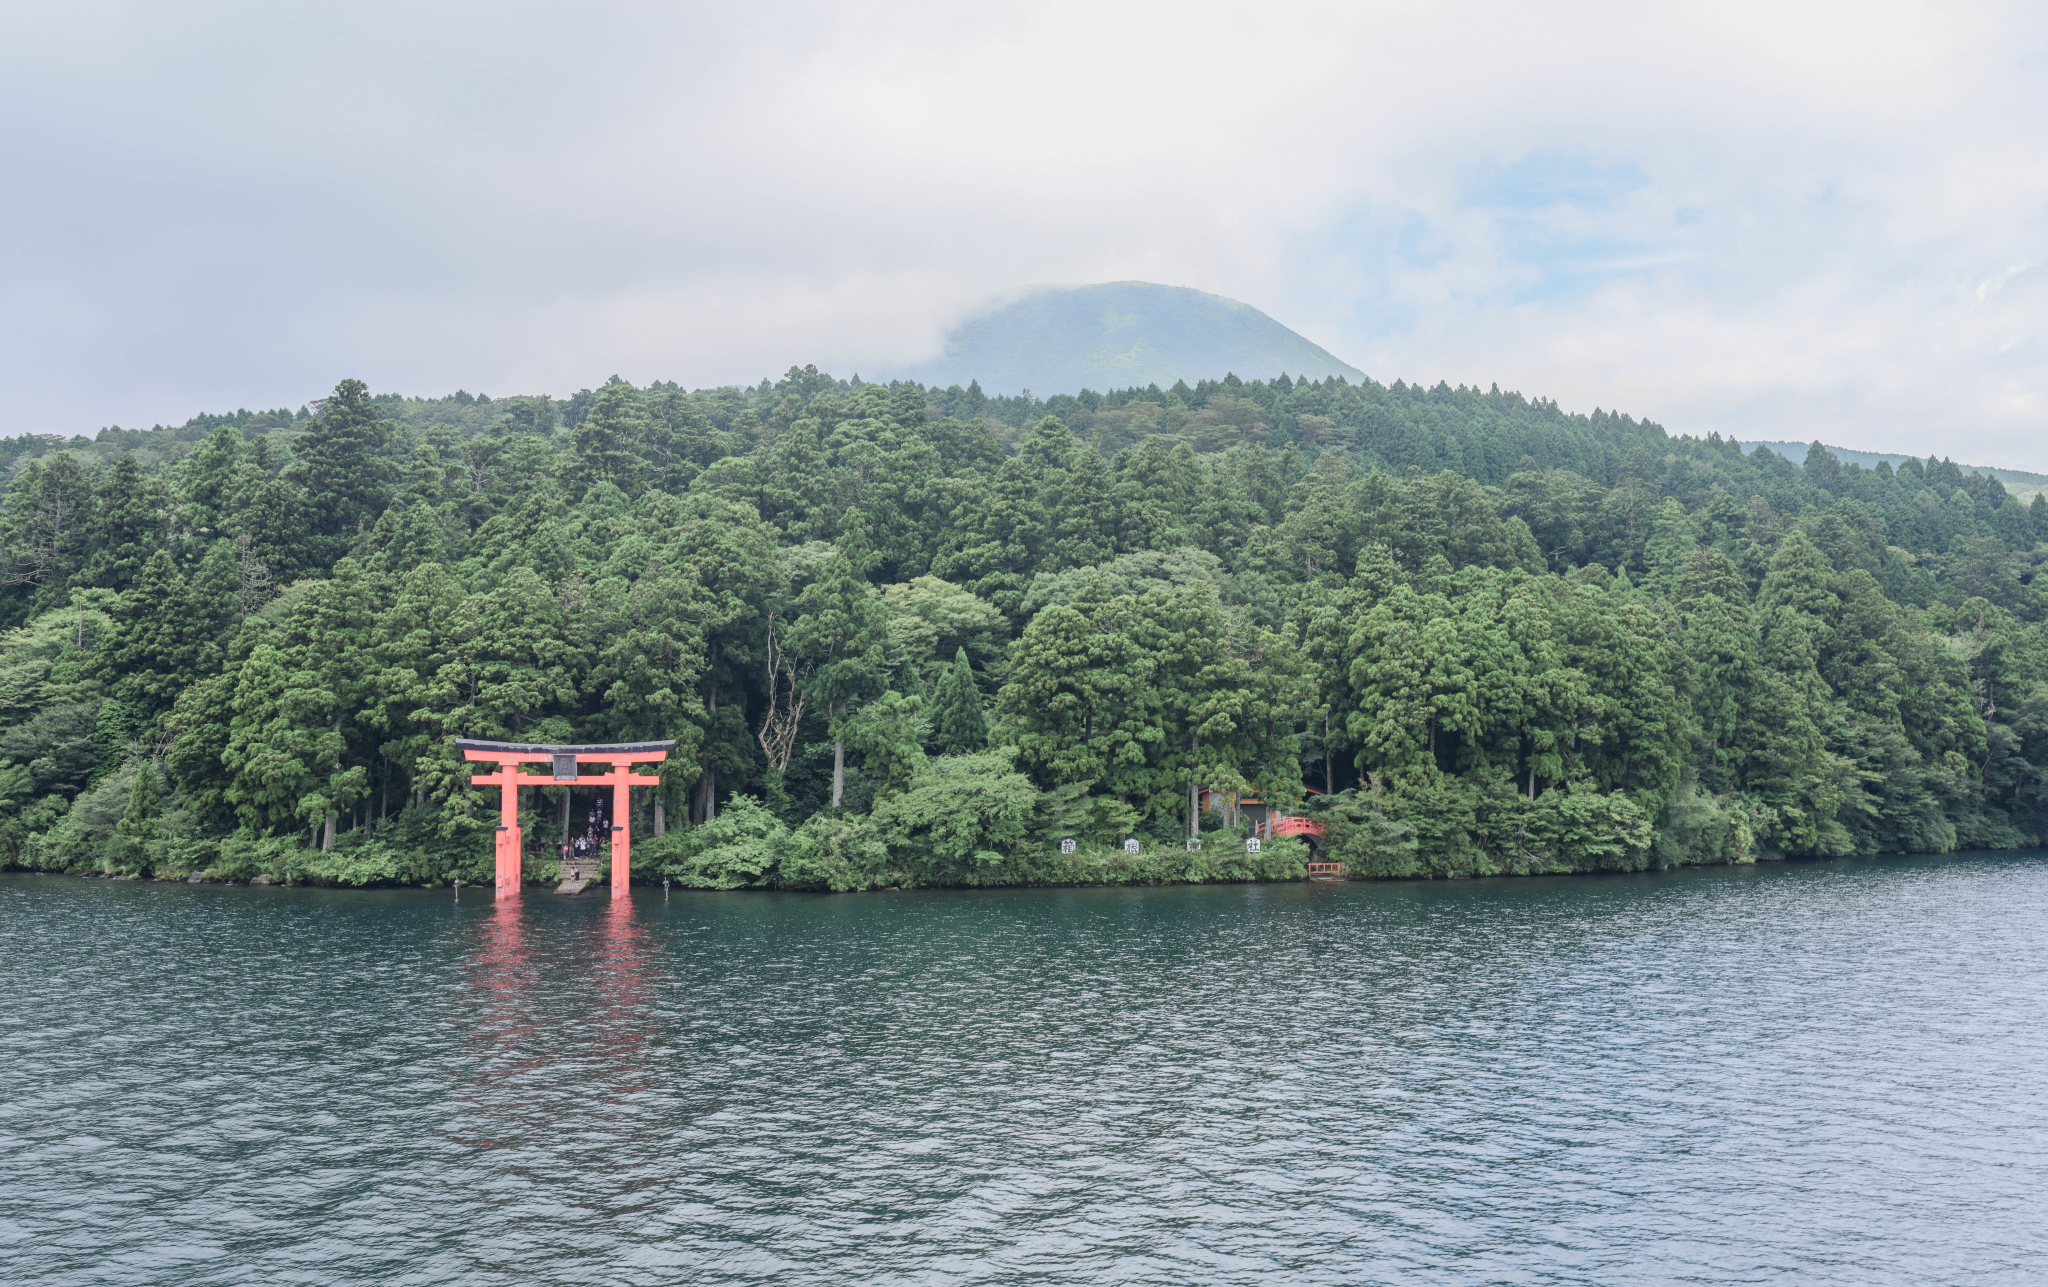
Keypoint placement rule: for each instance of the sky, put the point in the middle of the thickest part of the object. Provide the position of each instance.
(1776, 221)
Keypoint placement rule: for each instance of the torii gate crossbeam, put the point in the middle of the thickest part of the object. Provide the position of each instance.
(565, 763)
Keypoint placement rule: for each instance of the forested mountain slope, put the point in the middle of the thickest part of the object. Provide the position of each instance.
(1503, 638)
(2022, 483)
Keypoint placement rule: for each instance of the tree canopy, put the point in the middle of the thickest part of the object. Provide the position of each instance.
(906, 634)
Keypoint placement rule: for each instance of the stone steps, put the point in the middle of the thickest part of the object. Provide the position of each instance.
(588, 871)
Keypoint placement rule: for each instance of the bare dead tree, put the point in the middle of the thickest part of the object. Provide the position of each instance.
(785, 702)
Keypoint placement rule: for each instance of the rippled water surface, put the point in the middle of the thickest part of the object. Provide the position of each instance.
(1810, 1074)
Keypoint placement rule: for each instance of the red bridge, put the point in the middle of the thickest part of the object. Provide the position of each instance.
(1296, 825)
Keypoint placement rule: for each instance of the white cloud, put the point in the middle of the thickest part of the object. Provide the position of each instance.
(1781, 220)
(1992, 285)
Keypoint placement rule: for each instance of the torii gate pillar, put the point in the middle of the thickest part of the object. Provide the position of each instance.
(565, 762)
(622, 830)
(505, 777)
(510, 873)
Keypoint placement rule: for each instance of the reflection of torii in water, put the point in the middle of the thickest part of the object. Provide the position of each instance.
(565, 761)
(522, 1066)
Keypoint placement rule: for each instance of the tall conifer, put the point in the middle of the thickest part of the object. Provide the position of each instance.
(959, 724)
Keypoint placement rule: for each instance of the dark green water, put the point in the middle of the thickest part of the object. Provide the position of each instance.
(1804, 1074)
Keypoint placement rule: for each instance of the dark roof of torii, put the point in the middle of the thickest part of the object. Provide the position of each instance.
(545, 748)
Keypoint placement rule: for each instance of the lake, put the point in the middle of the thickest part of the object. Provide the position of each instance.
(1809, 1073)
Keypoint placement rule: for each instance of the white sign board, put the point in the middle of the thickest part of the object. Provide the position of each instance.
(1131, 845)
(1066, 846)
(1251, 846)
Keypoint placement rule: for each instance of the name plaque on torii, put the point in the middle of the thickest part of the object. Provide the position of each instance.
(565, 765)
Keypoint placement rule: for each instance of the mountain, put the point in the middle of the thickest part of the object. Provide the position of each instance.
(1119, 335)
(2018, 482)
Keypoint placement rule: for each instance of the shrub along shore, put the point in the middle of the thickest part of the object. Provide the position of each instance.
(819, 861)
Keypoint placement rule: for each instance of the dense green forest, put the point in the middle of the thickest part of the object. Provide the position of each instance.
(920, 636)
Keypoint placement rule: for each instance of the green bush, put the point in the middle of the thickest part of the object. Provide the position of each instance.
(839, 854)
(1360, 835)
(961, 815)
(243, 855)
(1456, 827)
(1697, 828)
(365, 862)
(738, 848)
(82, 840)
(1221, 859)
(1587, 831)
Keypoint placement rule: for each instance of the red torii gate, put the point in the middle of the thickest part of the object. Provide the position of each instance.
(564, 761)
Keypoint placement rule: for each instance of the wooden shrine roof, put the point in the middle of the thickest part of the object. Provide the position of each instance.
(595, 750)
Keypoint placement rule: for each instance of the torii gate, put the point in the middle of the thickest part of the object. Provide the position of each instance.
(564, 762)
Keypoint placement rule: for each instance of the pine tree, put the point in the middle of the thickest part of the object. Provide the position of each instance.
(155, 650)
(606, 447)
(113, 737)
(838, 625)
(1209, 705)
(1233, 502)
(406, 538)
(1158, 487)
(343, 466)
(1310, 538)
(1405, 668)
(959, 724)
(144, 801)
(415, 637)
(329, 643)
(211, 477)
(277, 750)
(651, 656)
(1051, 705)
(1720, 638)
(1673, 539)
(726, 549)
(1081, 500)
(43, 528)
(910, 683)
(215, 593)
(1788, 762)
(1795, 608)
(793, 487)
(511, 661)
(127, 523)
(279, 524)
(907, 406)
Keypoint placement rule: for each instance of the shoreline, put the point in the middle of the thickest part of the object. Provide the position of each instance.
(1286, 871)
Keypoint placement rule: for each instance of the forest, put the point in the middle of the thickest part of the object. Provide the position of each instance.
(914, 636)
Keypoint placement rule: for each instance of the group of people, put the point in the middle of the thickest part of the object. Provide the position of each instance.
(582, 849)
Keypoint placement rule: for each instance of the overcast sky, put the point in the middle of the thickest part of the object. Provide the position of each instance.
(1774, 220)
